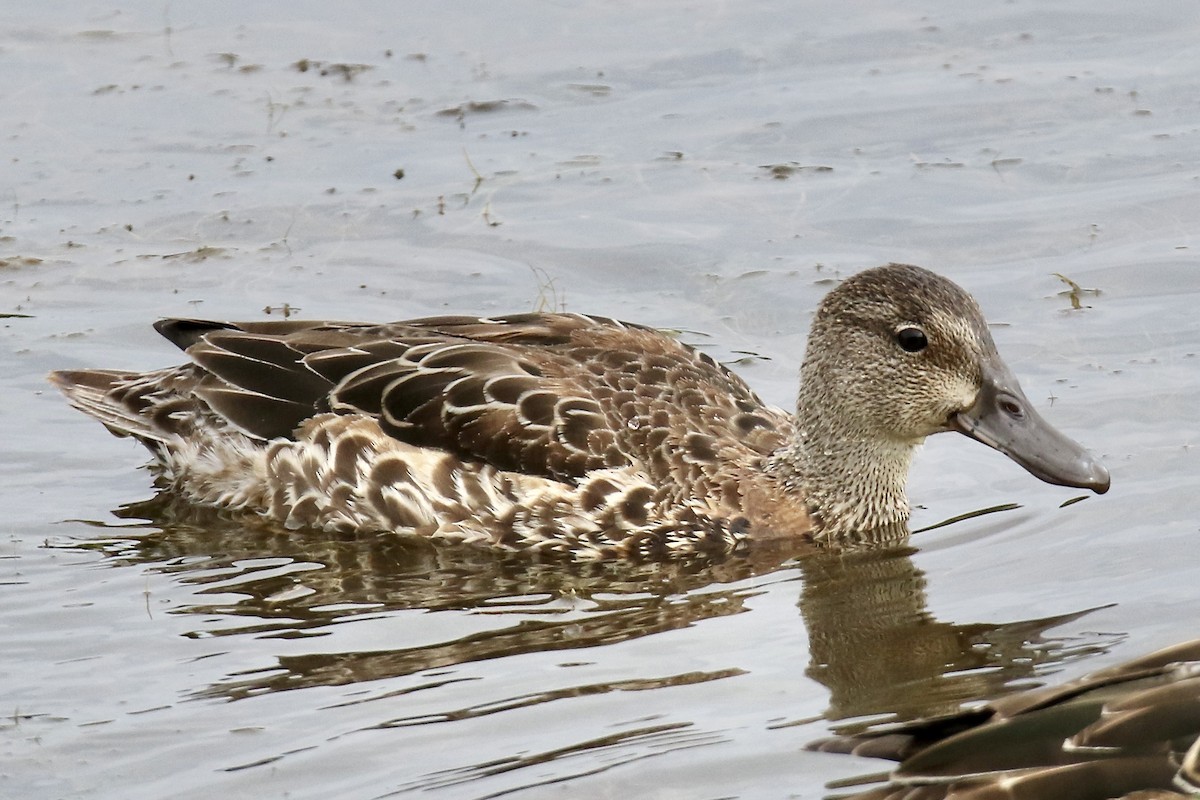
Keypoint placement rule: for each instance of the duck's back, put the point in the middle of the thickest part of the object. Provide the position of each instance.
(557, 395)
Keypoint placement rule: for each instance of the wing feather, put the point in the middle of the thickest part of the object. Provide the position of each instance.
(557, 395)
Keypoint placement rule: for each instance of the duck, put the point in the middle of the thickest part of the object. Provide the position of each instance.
(578, 434)
(1131, 731)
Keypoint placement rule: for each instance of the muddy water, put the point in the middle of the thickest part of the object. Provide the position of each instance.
(707, 169)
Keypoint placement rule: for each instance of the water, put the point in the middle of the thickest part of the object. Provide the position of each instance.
(712, 169)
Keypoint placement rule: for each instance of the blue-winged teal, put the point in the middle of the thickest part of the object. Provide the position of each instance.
(578, 433)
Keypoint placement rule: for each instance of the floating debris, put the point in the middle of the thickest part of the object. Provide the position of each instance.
(347, 72)
(947, 163)
(997, 163)
(20, 261)
(781, 172)
(194, 256)
(485, 107)
(594, 89)
(1075, 292)
(287, 309)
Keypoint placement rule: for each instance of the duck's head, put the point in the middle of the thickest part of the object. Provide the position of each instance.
(898, 353)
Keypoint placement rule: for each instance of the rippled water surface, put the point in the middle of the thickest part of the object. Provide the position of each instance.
(713, 169)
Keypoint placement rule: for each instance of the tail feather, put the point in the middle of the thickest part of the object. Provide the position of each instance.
(98, 393)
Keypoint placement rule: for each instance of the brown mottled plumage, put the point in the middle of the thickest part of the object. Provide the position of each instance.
(1130, 731)
(576, 433)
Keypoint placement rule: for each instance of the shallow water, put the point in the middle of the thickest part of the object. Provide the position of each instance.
(712, 169)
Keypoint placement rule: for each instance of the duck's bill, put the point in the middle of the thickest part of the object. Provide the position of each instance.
(1004, 419)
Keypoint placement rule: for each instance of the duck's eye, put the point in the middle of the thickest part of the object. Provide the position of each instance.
(911, 340)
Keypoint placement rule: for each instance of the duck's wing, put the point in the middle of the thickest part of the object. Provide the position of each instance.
(1133, 727)
(548, 394)
(254, 373)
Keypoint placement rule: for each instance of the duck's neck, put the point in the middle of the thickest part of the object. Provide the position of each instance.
(852, 480)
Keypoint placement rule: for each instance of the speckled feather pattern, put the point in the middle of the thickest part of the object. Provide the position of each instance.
(550, 431)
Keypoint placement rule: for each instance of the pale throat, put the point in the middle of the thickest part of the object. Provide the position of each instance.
(853, 481)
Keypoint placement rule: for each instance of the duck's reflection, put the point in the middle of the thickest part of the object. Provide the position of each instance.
(873, 642)
(876, 647)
